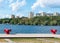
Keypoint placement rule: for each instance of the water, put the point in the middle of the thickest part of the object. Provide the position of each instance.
(28, 29)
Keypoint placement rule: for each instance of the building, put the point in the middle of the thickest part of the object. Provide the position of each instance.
(17, 17)
(31, 14)
(38, 14)
(47, 14)
(56, 14)
(12, 16)
(41, 14)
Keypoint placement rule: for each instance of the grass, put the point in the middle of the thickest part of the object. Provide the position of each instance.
(2, 40)
(23, 39)
(36, 40)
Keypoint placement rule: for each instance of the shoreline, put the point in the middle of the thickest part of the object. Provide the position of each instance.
(30, 35)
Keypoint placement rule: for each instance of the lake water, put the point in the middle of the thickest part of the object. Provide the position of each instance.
(28, 29)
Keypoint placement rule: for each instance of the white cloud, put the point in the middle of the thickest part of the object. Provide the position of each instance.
(7, 16)
(40, 11)
(4, 16)
(10, 1)
(1, 1)
(16, 5)
(19, 14)
(46, 3)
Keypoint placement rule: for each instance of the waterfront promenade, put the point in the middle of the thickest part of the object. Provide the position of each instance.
(29, 35)
(44, 38)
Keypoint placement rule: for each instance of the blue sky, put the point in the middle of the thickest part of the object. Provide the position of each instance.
(23, 7)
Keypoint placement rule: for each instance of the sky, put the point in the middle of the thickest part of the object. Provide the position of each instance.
(23, 7)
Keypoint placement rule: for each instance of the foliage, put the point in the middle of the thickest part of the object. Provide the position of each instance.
(38, 20)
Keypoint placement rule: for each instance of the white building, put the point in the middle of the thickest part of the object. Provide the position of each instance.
(31, 14)
(47, 14)
(56, 14)
(41, 14)
(38, 14)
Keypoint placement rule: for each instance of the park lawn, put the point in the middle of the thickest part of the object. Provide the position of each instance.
(54, 39)
(36, 40)
(2, 40)
(23, 39)
(26, 40)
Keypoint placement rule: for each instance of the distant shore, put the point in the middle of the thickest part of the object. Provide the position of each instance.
(38, 20)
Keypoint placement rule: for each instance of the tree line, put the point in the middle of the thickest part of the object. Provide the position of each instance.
(37, 20)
